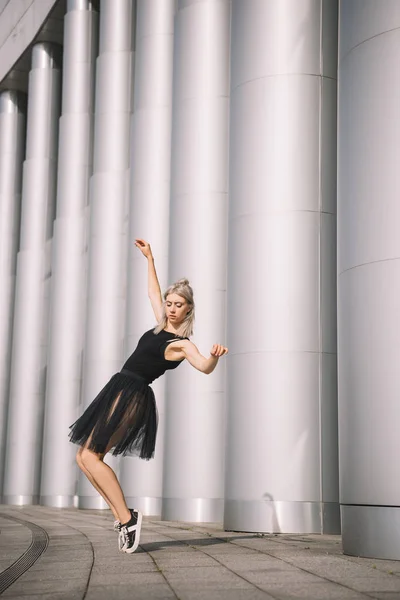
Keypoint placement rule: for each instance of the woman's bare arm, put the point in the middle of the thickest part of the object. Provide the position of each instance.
(186, 349)
(154, 290)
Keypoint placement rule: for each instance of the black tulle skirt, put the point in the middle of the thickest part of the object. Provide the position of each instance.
(122, 419)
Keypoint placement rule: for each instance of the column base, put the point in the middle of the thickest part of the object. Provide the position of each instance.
(147, 505)
(20, 500)
(58, 501)
(193, 510)
(371, 531)
(269, 516)
(92, 502)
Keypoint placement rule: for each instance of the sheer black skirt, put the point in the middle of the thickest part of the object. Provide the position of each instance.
(122, 418)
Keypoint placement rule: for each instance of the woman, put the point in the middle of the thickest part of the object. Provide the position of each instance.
(123, 417)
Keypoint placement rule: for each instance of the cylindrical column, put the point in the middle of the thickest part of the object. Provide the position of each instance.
(194, 438)
(105, 315)
(281, 473)
(29, 347)
(369, 277)
(12, 149)
(149, 214)
(58, 485)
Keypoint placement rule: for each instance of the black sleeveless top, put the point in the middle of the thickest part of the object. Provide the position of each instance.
(148, 360)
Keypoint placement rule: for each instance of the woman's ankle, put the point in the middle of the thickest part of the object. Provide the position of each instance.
(126, 517)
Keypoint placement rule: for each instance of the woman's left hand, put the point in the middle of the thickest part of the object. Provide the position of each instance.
(144, 247)
(218, 350)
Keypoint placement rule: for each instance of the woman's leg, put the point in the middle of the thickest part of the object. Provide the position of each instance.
(106, 483)
(93, 482)
(101, 476)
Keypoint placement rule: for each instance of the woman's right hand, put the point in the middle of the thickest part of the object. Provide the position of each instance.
(218, 350)
(144, 247)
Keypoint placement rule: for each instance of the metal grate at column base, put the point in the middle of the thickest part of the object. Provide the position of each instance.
(38, 545)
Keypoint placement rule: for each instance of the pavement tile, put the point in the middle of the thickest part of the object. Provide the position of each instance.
(50, 596)
(311, 591)
(246, 594)
(183, 585)
(15, 538)
(59, 574)
(385, 583)
(225, 550)
(133, 559)
(122, 567)
(166, 548)
(131, 592)
(187, 561)
(46, 563)
(386, 595)
(188, 586)
(267, 576)
(213, 573)
(385, 566)
(253, 562)
(332, 565)
(68, 556)
(21, 587)
(135, 579)
(70, 542)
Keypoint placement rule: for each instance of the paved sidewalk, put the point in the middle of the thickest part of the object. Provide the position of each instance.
(69, 554)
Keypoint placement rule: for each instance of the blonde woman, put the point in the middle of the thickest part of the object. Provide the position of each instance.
(123, 417)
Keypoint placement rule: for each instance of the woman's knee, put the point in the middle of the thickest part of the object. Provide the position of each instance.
(88, 457)
(78, 458)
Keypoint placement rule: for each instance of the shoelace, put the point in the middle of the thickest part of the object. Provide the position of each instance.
(123, 538)
(117, 525)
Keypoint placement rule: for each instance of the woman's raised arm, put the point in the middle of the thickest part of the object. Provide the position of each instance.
(154, 290)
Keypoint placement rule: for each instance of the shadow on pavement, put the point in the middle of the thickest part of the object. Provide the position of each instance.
(152, 546)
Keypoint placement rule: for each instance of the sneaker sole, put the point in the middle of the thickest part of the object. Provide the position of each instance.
(137, 536)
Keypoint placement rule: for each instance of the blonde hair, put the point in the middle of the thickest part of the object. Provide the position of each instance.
(182, 288)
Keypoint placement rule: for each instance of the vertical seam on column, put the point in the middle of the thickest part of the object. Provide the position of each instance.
(320, 268)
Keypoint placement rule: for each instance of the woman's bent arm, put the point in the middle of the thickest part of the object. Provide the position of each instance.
(186, 349)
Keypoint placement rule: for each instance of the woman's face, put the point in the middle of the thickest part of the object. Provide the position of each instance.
(176, 309)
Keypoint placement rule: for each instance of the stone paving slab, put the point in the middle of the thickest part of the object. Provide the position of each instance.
(181, 561)
(14, 540)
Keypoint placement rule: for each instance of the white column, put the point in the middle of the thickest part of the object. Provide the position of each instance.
(12, 149)
(67, 326)
(105, 314)
(282, 473)
(29, 348)
(369, 277)
(149, 214)
(194, 437)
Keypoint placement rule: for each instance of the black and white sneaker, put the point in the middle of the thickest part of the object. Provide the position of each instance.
(117, 525)
(129, 536)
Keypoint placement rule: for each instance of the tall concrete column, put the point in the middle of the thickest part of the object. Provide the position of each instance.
(59, 473)
(12, 150)
(149, 214)
(105, 314)
(282, 472)
(369, 277)
(194, 437)
(29, 347)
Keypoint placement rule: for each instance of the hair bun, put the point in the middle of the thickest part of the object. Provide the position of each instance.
(182, 281)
